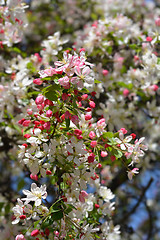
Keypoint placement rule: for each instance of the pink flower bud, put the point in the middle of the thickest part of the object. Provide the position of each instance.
(154, 87)
(39, 100)
(77, 132)
(21, 121)
(48, 102)
(48, 172)
(101, 123)
(133, 135)
(84, 194)
(82, 50)
(27, 135)
(104, 154)
(84, 96)
(91, 158)
(93, 144)
(149, 39)
(56, 233)
(47, 232)
(47, 125)
(26, 123)
(123, 130)
(64, 82)
(92, 104)
(22, 217)
(37, 81)
(125, 92)
(88, 117)
(92, 135)
(20, 237)
(49, 113)
(34, 177)
(105, 72)
(88, 109)
(99, 165)
(29, 111)
(67, 114)
(75, 119)
(64, 96)
(34, 233)
(96, 205)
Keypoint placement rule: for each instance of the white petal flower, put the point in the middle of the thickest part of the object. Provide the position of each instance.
(36, 194)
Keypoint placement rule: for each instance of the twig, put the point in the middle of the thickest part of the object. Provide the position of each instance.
(128, 214)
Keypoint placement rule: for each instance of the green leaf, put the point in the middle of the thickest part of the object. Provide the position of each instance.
(53, 96)
(118, 154)
(46, 79)
(30, 94)
(97, 81)
(69, 208)
(36, 223)
(122, 84)
(112, 141)
(97, 236)
(85, 90)
(31, 67)
(52, 88)
(57, 215)
(107, 135)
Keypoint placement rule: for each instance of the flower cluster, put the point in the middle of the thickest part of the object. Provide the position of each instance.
(73, 125)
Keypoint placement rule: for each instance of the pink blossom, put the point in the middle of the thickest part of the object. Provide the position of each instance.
(93, 144)
(75, 119)
(88, 117)
(92, 135)
(39, 100)
(77, 132)
(64, 82)
(20, 237)
(104, 153)
(64, 96)
(29, 111)
(92, 104)
(105, 72)
(47, 125)
(91, 158)
(67, 114)
(83, 194)
(149, 39)
(154, 87)
(37, 81)
(123, 130)
(132, 173)
(84, 96)
(35, 232)
(49, 113)
(101, 123)
(34, 177)
(26, 123)
(125, 92)
(50, 71)
(56, 233)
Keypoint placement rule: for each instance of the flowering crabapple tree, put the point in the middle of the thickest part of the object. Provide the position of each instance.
(79, 99)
